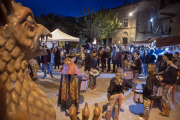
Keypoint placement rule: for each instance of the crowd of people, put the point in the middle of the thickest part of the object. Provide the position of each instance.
(160, 71)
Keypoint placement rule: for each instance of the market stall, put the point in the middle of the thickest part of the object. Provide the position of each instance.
(59, 38)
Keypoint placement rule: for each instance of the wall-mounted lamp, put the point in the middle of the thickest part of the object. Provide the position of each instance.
(130, 14)
(151, 20)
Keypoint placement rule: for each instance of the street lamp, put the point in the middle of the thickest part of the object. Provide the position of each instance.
(130, 14)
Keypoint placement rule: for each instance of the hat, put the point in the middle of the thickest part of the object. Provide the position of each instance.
(72, 54)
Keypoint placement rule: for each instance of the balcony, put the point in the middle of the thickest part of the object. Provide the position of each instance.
(169, 11)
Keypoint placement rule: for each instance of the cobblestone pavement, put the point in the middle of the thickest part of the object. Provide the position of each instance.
(129, 110)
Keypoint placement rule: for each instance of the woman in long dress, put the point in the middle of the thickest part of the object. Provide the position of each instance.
(69, 84)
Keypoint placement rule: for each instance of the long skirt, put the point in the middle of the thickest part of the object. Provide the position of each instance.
(114, 102)
(69, 91)
(166, 98)
(167, 93)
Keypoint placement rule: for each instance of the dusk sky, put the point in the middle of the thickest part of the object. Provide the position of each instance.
(69, 7)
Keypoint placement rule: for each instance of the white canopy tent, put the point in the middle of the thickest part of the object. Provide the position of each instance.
(58, 35)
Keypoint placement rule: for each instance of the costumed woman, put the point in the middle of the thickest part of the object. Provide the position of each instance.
(90, 64)
(150, 89)
(136, 66)
(69, 84)
(169, 78)
(115, 94)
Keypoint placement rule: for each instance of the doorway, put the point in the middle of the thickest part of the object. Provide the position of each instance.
(125, 40)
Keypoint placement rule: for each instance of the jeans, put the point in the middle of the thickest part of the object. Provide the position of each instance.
(42, 68)
(62, 63)
(114, 63)
(50, 68)
(45, 66)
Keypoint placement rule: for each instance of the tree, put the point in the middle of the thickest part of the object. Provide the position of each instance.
(98, 25)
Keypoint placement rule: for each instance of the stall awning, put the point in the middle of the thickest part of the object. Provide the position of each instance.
(58, 35)
(145, 41)
(167, 41)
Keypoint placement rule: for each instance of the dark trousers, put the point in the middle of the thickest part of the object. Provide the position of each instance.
(57, 62)
(109, 64)
(115, 62)
(98, 61)
(103, 62)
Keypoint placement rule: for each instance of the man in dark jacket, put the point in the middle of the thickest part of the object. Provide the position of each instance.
(45, 61)
(150, 58)
(57, 57)
(67, 46)
(109, 58)
(104, 55)
(116, 59)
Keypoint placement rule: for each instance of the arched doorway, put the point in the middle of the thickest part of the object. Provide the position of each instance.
(125, 38)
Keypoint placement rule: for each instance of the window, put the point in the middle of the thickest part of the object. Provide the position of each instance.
(110, 41)
(125, 22)
(152, 10)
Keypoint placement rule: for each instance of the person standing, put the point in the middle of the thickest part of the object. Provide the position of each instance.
(63, 55)
(136, 66)
(163, 64)
(115, 94)
(90, 64)
(116, 59)
(57, 58)
(51, 64)
(127, 63)
(67, 46)
(104, 55)
(109, 58)
(176, 55)
(98, 57)
(69, 89)
(150, 89)
(150, 58)
(169, 78)
(45, 61)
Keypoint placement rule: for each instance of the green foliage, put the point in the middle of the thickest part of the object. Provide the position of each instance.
(98, 24)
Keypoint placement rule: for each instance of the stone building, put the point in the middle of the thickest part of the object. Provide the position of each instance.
(139, 22)
(169, 13)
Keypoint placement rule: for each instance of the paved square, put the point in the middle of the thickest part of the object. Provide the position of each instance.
(129, 110)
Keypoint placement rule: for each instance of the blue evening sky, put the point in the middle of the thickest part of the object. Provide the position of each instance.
(69, 7)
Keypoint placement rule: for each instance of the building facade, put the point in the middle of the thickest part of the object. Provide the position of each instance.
(139, 22)
(169, 13)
